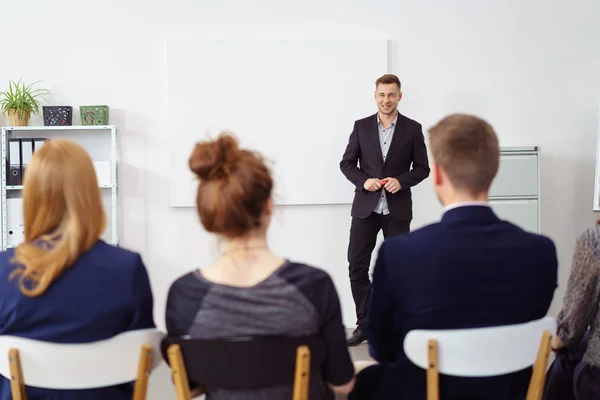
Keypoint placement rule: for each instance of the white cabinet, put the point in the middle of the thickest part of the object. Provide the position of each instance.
(515, 193)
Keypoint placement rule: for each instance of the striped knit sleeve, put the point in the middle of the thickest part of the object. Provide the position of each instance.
(582, 295)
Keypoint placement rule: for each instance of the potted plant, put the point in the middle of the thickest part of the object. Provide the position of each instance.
(20, 101)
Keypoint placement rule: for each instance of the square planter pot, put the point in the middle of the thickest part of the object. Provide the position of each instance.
(18, 117)
(58, 115)
(94, 115)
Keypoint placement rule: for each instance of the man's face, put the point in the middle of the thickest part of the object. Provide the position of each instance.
(387, 97)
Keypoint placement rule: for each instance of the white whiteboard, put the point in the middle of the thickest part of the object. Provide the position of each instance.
(293, 100)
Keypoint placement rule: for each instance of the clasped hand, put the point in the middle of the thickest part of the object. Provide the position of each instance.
(390, 184)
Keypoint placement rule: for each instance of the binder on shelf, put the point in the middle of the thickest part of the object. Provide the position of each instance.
(38, 142)
(14, 221)
(26, 154)
(13, 167)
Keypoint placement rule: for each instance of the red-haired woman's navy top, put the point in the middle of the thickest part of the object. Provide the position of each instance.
(106, 292)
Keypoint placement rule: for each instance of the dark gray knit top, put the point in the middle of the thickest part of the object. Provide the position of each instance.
(296, 300)
(582, 298)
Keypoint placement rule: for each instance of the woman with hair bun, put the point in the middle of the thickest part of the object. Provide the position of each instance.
(251, 291)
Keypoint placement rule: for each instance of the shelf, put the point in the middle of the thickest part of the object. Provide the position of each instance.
(520, 150)
(59, 128)
(514, 197)
(12, 246)
(20, 187)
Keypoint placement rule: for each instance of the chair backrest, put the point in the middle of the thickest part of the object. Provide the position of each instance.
(480, 352)
(245, 363)
(83, 365)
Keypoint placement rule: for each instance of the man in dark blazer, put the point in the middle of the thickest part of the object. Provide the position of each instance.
(471, 269)
(381, 151)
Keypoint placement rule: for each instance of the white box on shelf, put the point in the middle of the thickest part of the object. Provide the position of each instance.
(103, 172)
(14, 221)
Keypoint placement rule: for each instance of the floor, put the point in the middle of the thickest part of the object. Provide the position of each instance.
(161, 388)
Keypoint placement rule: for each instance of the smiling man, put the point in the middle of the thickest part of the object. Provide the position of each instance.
(385, 156)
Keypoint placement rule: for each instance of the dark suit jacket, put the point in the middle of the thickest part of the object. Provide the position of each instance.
(407, 148)
(469, 270)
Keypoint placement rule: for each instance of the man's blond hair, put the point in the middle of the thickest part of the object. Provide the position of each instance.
(466, 148)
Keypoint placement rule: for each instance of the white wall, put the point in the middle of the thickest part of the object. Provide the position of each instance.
(531, 68)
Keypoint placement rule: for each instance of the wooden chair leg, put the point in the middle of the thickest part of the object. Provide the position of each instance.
(180, 379)
(433, 377)
(17, 384)
(144, 368)
(538, 376)
(302, 373)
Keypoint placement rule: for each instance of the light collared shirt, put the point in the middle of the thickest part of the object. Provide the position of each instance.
(464, 204)
(385, 139)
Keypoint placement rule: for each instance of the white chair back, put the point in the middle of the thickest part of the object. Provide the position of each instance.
(480, 352)
(83, 365)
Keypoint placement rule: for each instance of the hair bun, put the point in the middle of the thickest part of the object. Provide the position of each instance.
(215, 159)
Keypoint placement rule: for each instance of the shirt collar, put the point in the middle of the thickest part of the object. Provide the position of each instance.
(393, 122)
(465, 204)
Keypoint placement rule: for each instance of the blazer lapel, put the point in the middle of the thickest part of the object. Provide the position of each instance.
(374, 136)
(395, 138)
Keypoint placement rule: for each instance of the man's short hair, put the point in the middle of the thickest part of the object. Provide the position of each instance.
(466, 148)
(388, 79)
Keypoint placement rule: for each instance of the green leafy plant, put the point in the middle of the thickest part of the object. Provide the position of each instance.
(21, 98)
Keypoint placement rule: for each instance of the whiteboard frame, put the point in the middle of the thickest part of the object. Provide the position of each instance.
(596, 203)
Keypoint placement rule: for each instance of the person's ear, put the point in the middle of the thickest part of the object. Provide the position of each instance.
(436, 174)
(269, 207)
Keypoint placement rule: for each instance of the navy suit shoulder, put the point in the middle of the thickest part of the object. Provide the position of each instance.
(446, 249)
(102, 257)
(122, 258)
(420, 237)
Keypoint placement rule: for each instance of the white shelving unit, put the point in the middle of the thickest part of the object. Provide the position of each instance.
(100, 141)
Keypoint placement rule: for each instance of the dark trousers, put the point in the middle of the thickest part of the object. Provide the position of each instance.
(406, 381)
(569, 378)
(363, 238)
